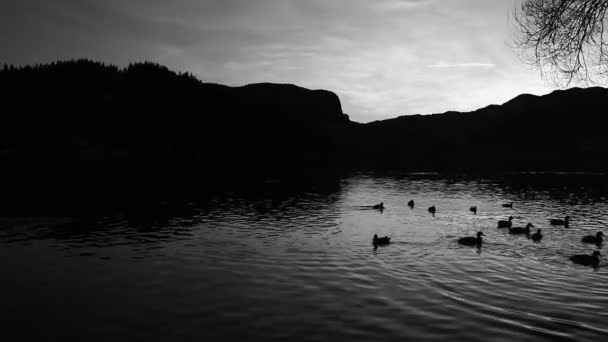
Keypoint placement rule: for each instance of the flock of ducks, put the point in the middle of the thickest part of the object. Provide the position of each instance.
(582, 259)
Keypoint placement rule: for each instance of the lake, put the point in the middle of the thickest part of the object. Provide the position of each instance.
(297, 263)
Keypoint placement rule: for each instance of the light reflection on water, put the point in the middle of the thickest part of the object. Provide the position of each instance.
(299, 265)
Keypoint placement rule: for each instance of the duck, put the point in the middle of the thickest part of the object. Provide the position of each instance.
(557, 222)
(597, 239)
(380, 241)
(505, 223)
(536, 237)
(521, 230)
(508, 205)
(473, 210)
(587, 260)
(379, 206)
(471, 241)
(432, 210)
(411, 204)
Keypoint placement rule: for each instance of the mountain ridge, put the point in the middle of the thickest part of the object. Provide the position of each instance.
(74, 114)
(75, 134)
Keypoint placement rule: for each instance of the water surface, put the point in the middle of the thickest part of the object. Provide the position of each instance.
(298, 264)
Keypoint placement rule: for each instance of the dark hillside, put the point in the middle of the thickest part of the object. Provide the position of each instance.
(79, 128)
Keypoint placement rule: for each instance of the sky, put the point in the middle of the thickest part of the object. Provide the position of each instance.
(384, 58)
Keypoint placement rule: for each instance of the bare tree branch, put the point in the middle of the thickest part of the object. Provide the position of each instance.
(563, 39)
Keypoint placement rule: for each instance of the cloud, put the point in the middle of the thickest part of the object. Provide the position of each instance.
(462, 65)
(396, 5)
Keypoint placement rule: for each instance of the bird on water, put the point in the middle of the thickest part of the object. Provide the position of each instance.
(411, 204)
(432, 210)
(536, 237)
(508, 205)
(473, 210)
(380, 241)
(521, 230)
(471, 241)
(597, 239)
(379, 206)
(558, 222)
(587, 260)
(505, 223)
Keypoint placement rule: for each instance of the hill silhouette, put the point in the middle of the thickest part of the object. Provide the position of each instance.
(93, 127)
(561, 131)
(145, 122)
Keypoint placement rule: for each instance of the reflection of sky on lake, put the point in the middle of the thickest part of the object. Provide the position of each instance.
(300, 264)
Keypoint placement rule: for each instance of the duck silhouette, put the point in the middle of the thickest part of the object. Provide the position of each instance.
(597, 239)
(505, 223)
(557, 222)
(471, 241)
(432, 210)
(521, 230)
(411, 204)
(379, 206)
(380, 241)
(473, 210)
(587, 260)
(536, 237)
(508, 205)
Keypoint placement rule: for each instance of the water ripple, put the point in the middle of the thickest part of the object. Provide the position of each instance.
(300, 265)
